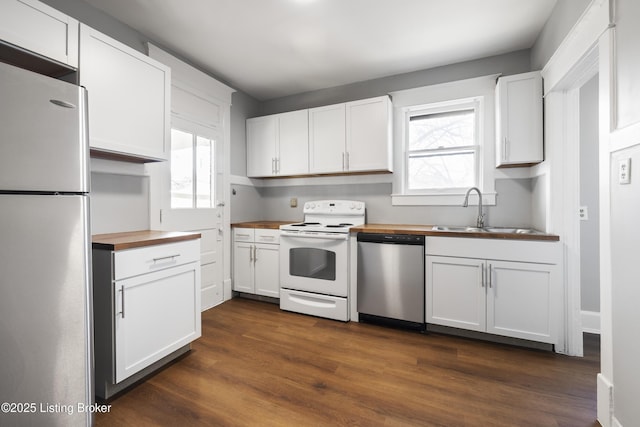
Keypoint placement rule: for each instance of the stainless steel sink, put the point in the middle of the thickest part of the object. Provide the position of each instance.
(462, 229)
(469, 229)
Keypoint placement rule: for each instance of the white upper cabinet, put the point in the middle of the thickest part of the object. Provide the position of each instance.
(351, 137)
(368, 142)
(519, 120)
(262, 135)
(327, 139)
(129, 99)
(278, 145)
(36, 27)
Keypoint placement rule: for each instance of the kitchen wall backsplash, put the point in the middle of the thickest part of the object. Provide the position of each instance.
(272, 203)
(119, 203)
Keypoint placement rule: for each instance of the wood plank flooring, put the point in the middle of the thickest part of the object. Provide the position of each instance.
(258, 366)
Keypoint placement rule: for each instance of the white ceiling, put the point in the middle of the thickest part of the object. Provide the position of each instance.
(274, 48)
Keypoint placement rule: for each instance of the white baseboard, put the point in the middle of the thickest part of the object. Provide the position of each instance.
(605, 402)
(590, 322)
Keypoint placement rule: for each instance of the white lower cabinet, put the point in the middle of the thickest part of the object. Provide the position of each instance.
(146, 310)
(515, 299)
(255, 261)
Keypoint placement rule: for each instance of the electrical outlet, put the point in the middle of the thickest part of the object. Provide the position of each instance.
(584, 213)
(293, 202)
(624, 171)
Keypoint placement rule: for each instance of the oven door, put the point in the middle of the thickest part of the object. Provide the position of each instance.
(316, 263)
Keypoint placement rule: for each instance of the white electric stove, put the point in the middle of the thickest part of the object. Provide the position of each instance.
(314, 259)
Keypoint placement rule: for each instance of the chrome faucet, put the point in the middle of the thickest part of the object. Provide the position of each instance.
(480, 219)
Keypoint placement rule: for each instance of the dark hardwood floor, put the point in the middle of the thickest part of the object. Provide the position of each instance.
(258, 366)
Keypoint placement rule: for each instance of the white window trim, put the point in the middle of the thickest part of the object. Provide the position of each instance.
(451, 93)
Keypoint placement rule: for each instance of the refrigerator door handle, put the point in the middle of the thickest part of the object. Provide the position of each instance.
(61, 103)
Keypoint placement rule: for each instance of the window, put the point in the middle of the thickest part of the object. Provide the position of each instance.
(192, 170)
(442, 147)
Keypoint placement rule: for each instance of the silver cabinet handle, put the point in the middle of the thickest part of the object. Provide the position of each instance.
(273, 165)
(348, 166)
(255, 253)
(122, 301)
(251, 253)
(343, 160)
(490, 276)
(277, 165)
(483, 275)
(171, 257)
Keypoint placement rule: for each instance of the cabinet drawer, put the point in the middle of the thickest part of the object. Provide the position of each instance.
(243, 234)
(132, 262)
(267, 236)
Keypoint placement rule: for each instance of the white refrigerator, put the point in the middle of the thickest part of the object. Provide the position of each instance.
(46, 344)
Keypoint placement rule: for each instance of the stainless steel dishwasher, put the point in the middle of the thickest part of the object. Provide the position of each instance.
(391, 279)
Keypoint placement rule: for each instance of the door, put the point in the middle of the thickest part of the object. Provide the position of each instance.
(266, 277)
(243, 267)
(327, 139)
(262, 137)
(368, 135)
(45, 306)
(455, 294)
(173, 316)
(46, 148)
(192, 198)
(129, 97)
(315, 264)
(293, 143)
(520, 299)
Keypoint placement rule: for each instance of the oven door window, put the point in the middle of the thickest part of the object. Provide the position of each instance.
(312, 263)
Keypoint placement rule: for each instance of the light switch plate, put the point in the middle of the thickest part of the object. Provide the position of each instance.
(624, 171)
(584, 213)
(293, 202)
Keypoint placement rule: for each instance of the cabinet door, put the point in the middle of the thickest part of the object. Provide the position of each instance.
(368, 136)
(267, 277)
(293, 149)
(129, 100)
(262, 133)
(243, 267)
(519, 119)
(521, 301)
(39, 28)
(327, 139)
(156, 314)
(455, 293)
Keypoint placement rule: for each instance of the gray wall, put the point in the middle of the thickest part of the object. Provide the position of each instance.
(564, 16)
(511, 63)
(589, 197)
(513, 208)
(272, 203)
(243, 106)
(119, 203)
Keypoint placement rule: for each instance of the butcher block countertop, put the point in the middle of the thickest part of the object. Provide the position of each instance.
(272, 225)
(137, 239)
(427, 230)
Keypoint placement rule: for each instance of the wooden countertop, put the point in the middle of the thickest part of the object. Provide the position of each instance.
(427, 230)
(137, 239)
(272, 225)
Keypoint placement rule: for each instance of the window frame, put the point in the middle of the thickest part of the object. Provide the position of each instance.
(197, 130)
(447, 94)
(474, 104)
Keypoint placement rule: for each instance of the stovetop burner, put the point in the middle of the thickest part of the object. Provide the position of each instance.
(328, 216)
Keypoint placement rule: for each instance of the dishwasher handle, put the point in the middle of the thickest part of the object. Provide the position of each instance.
(393, 239)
